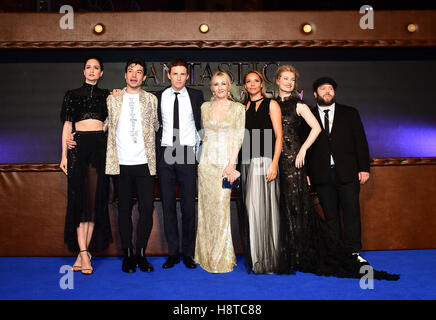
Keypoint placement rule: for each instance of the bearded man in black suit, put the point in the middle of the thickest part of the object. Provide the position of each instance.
(338, 162)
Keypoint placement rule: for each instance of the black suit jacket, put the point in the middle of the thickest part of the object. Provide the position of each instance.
(197, 99)
(347, 143)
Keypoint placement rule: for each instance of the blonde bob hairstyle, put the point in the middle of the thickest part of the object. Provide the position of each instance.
(228, 80)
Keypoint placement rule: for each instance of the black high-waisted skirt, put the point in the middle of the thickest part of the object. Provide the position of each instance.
(88, 188)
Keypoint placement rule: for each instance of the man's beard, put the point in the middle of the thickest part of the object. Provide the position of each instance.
(322, 103)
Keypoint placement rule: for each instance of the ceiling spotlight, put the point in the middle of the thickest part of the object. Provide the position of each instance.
(204, 28)
(307, 28)
(99, 28)
(412, 27)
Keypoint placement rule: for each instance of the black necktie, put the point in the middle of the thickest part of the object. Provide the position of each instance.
(176, 118)
(326, 122)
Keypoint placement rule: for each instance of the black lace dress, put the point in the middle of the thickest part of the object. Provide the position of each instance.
(306, 242)
(87, 183)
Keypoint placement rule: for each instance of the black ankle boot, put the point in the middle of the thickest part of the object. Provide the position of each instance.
(143, 263)
(129, 262)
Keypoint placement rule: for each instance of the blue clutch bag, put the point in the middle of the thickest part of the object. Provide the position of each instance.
(228, 185)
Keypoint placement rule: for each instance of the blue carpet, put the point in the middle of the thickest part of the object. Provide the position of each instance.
(36, 278)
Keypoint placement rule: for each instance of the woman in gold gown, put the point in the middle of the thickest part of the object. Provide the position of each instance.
(223, 121)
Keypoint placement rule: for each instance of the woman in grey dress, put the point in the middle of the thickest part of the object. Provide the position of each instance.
(260, 186)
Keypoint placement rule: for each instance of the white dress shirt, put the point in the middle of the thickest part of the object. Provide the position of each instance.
(187, 129)
(331, 117)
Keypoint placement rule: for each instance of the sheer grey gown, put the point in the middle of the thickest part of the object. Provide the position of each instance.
(260, 198)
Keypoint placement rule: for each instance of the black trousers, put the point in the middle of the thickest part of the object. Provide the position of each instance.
(183, 175)
(335, 195)
(138, 177)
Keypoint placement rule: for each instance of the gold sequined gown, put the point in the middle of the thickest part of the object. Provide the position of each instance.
(214, 247)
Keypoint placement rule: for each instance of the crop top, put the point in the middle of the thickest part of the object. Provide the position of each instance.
(86, 102)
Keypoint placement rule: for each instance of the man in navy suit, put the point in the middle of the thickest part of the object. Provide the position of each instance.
(338, 162)
(179, 114)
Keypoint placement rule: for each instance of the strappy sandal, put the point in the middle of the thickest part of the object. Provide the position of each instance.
(87, 269)
(76, 267)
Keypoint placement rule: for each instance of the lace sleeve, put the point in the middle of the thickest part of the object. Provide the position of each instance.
(67, 110)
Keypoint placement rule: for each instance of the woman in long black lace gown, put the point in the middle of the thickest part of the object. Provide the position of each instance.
(83, 113)
(306, 242)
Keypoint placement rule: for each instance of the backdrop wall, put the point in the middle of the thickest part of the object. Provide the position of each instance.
(391, 87)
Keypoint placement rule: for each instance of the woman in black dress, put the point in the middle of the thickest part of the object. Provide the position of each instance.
(83, 113)
(259, 169)
(306, 242)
